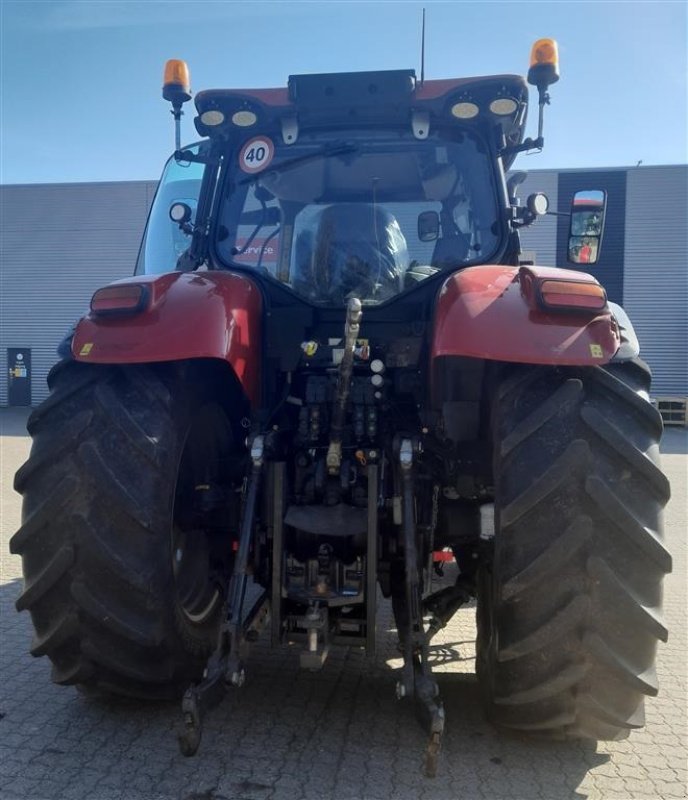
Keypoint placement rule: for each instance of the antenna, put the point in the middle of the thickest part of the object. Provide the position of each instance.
(422, 51)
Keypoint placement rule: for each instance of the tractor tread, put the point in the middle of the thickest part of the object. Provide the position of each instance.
(71, 674)
(576, 458)
(590, 727)
(557, 684)
(643, 682)
(46, 579)
(605, 712)
(518, 382)
(154, 394)
(110, 483)
(132, 572)
(607, 431)
(569, 611)
(115, 659)
(624, 519)
(567, 619)
(64, 441)
(145, 633)
(649, 618)
(639, 404)
(575, 537)
(63, 629)
(98, 493)
(79, 382)
(119, 416)
(564, 398)
(554, 722)
(44, 513)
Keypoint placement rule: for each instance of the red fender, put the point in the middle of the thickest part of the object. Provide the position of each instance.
(481, 312)
(187, 315)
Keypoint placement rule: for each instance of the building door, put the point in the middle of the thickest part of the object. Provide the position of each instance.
(19, 381)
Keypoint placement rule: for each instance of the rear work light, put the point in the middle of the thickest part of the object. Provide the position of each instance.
(115, 300)
(554, 294)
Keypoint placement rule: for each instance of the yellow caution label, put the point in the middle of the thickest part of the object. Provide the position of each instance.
(596, 351)
(309, 348)
(86, 349)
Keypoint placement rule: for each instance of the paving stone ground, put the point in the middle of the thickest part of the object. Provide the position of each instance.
(338, 734)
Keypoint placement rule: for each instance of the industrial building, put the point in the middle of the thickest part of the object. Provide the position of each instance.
(60, 242)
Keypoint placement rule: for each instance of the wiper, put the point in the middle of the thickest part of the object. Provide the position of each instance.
(338, 149)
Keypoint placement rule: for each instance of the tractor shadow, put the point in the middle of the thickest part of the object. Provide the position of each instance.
(503, 764)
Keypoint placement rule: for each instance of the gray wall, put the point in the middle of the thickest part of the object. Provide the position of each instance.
(540, 238)
(656, 272)
(58, 244)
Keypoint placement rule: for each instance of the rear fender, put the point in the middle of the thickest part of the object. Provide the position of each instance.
(187, 316)
(481, 313)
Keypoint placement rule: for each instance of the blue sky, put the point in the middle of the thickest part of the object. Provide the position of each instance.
(81, 80)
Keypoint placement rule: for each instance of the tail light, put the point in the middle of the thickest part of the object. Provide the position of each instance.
(579, 293)
(572, 294)
(130, 298)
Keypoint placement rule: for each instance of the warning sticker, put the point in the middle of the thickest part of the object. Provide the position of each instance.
(309, 348)
(596, 351)
(86, 349)
(256, 154)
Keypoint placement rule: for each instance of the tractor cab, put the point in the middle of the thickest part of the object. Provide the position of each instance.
(346, 185)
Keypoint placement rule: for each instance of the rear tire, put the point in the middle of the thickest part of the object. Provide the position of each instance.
(570, 612)
(112, 459)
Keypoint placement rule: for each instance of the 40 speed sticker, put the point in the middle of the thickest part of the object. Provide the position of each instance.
(256, 154)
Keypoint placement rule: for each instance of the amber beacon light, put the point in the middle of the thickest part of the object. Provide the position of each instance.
(544, 63)
(176, 85)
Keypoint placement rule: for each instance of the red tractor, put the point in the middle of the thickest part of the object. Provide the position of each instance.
(332, 363)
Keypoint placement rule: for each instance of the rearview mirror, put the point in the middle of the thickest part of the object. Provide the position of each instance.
(586, 227)
(428, 226)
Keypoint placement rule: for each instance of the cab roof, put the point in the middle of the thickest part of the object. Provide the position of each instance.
(374, 99)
